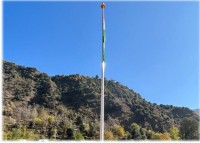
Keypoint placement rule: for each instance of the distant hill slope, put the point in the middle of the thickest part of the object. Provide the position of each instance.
(75, 97)
(196, 111)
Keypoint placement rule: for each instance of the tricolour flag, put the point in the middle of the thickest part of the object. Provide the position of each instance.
(103, 37)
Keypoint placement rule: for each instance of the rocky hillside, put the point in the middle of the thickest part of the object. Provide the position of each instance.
(68, 107)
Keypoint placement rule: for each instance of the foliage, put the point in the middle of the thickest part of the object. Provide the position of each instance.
(70, 104)
(108, 135)
(78, 136)
(51, 119)
(135, 131)
(161, 136)
(70, 134)
(42, 114)
(52, 133)
(174, 133)
(149, 134)
(189, 129)
(119, 131)
(18, 134)
(38, 121)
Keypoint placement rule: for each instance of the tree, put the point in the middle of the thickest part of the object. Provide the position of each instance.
(165, 136)
(51, 119)
(38, 121)
(92, 130)
(17, 134)
(52, 133)
(135, 131)
(42, 114)
(189, 129)
(149, 134)
(174, 133)
(108, 135)
(79, 121)
(143, 133)
(78, 136)
(161, 136)
(120, 132)
(64, 125)
(82, 128)
(70, 134)
(34, 113)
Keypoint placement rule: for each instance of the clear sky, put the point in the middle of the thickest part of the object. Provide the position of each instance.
(151, 47)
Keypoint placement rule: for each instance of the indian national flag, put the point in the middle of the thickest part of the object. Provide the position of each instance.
(103, 38)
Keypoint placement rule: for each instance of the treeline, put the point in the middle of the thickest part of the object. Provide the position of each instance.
(46, 126)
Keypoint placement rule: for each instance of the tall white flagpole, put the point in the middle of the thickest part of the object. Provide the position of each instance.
(102, 76)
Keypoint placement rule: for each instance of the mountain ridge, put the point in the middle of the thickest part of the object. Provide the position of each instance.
(29, 90)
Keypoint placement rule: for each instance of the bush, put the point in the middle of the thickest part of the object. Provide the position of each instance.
(42, 114)
(52, 133)
(79, 136)
(51, 119)
(108, 135)
(174, 133)
(18, 134)
(135, 131)
(70, 134)
(120, 132)
(161, 136)
(38, 121)
(189, 129)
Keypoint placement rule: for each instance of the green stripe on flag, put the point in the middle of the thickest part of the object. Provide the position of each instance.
(103, 46)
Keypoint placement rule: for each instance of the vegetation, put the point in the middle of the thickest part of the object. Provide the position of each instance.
(37, 106)
(109, 135)
(189, 129)
(174, 133)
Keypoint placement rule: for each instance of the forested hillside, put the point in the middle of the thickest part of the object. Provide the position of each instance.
(37, 106)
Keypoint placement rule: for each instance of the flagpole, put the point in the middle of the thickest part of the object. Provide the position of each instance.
(102, 76)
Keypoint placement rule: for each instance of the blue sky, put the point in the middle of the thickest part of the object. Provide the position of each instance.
(151, 47)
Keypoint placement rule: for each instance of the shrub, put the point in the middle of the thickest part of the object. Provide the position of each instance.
(174, 133)
(108, 135)
(120, 132)
(51, 119)
(161, 136)
(38, 121)
(78, 136)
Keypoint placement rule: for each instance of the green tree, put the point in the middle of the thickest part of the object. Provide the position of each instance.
(189, 129)
(15, 134)
(149, 134)
(143, 133)
(78, 136)
(174, 133)
(79, 121)
(18, 134)
(70, 134)
(82, 128)
(135, 131)
(92, 130)
(52, 133)
(64, 125)
(38, 121)
(51, 119)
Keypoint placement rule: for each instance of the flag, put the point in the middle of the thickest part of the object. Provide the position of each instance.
(103, 37)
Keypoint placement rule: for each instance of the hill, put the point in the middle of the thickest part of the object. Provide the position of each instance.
(196, 111)
(68, 107)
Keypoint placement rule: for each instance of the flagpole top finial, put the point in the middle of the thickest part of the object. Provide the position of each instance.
(103, 5)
